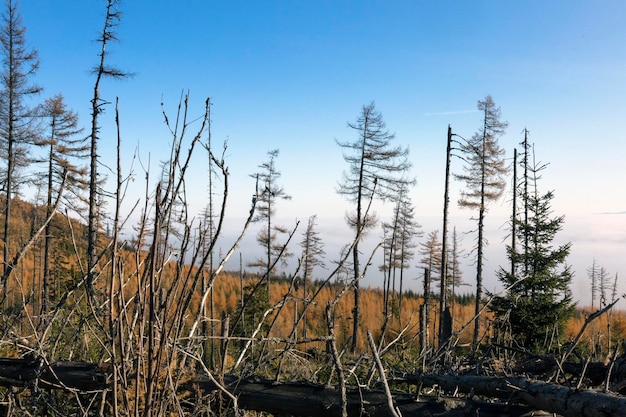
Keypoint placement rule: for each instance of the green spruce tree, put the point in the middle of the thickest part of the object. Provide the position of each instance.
(539, 301)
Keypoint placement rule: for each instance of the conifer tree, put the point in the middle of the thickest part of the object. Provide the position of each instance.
(312, 256)
(483, 177)
(604, 285)
(101, 70)
(64, 151)
(399, 244)
(376, 169)
(312, 249)
(19, 64)
(592, 273)
(540, 302)
(270, 193)
(455, 274)
(431, 252)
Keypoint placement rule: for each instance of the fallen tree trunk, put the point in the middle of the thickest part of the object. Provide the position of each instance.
(79, 376)
(553, 398)
(596, 372)
(312, 400)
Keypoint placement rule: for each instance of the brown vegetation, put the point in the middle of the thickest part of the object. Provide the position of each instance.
(92, 325)
(282, 346)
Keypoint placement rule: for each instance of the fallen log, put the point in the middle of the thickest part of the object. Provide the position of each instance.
(595, 372)
(553, 398)
(313, 400)
(19, 372)
(79, 376)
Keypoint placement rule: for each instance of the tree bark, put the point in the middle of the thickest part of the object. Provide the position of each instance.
(313, 400)
(553, 398)
(79, 376)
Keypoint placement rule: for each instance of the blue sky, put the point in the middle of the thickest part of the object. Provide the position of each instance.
(291, 74)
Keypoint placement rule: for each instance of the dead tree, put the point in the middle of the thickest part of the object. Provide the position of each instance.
(553, 398)
(305, 399)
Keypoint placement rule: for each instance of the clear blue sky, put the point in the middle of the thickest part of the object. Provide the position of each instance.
(290, 74)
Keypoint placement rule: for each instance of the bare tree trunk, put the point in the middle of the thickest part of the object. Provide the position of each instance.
(514, 214)
(337, 361)
(479, 277)
(357, 298)
(426, 316)
(101, 70)
(443, 297)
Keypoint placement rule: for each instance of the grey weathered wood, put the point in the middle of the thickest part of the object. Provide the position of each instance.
(311, 400)
(553, 398)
